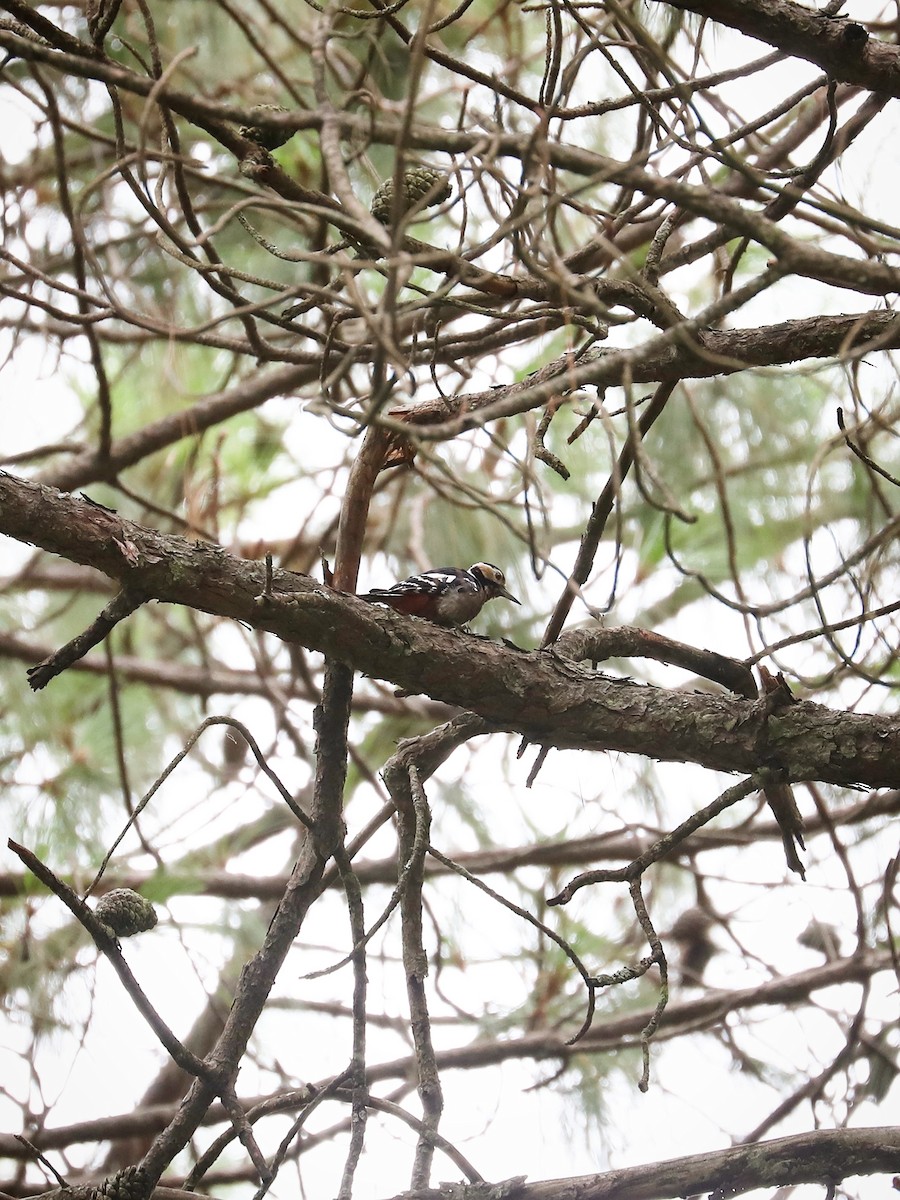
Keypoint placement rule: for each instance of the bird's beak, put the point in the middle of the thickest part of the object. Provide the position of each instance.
(509, 596)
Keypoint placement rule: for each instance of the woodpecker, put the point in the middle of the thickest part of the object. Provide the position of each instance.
(445, 595)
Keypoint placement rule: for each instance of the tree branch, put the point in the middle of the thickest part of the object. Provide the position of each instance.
(539, 695)
(616, 846)
(723, 1173)
(705, 1011)
(842, 48)
(795, 256)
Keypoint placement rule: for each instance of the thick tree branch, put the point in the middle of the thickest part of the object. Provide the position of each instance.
(209, 411)
(714, 352)
(542, 696)
(717, 352)
(826, 1156)
(840, 47)
(217, 680)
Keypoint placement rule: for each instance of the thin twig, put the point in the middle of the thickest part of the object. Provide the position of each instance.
(590, 981)
(593, 531)
(179, 757)
(43, 1160)
(356, 1073)
(663, 845)
(861, 455)
(414, 827)
(658, 956)
(107, 944)
(121, 606)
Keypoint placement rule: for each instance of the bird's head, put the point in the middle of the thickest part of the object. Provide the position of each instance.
(492, 580)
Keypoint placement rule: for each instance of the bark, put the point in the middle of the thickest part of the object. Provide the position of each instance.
(842, 48)
(544, 697)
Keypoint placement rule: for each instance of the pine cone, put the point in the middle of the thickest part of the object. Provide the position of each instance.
(131, 1183)
(418, 182)
(270, 137)
(125, 913)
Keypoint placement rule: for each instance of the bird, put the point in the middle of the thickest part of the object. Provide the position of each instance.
(444, 595)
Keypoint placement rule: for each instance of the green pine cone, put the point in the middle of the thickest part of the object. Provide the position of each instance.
(267, 136)
(418, 182)
(125, 912)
